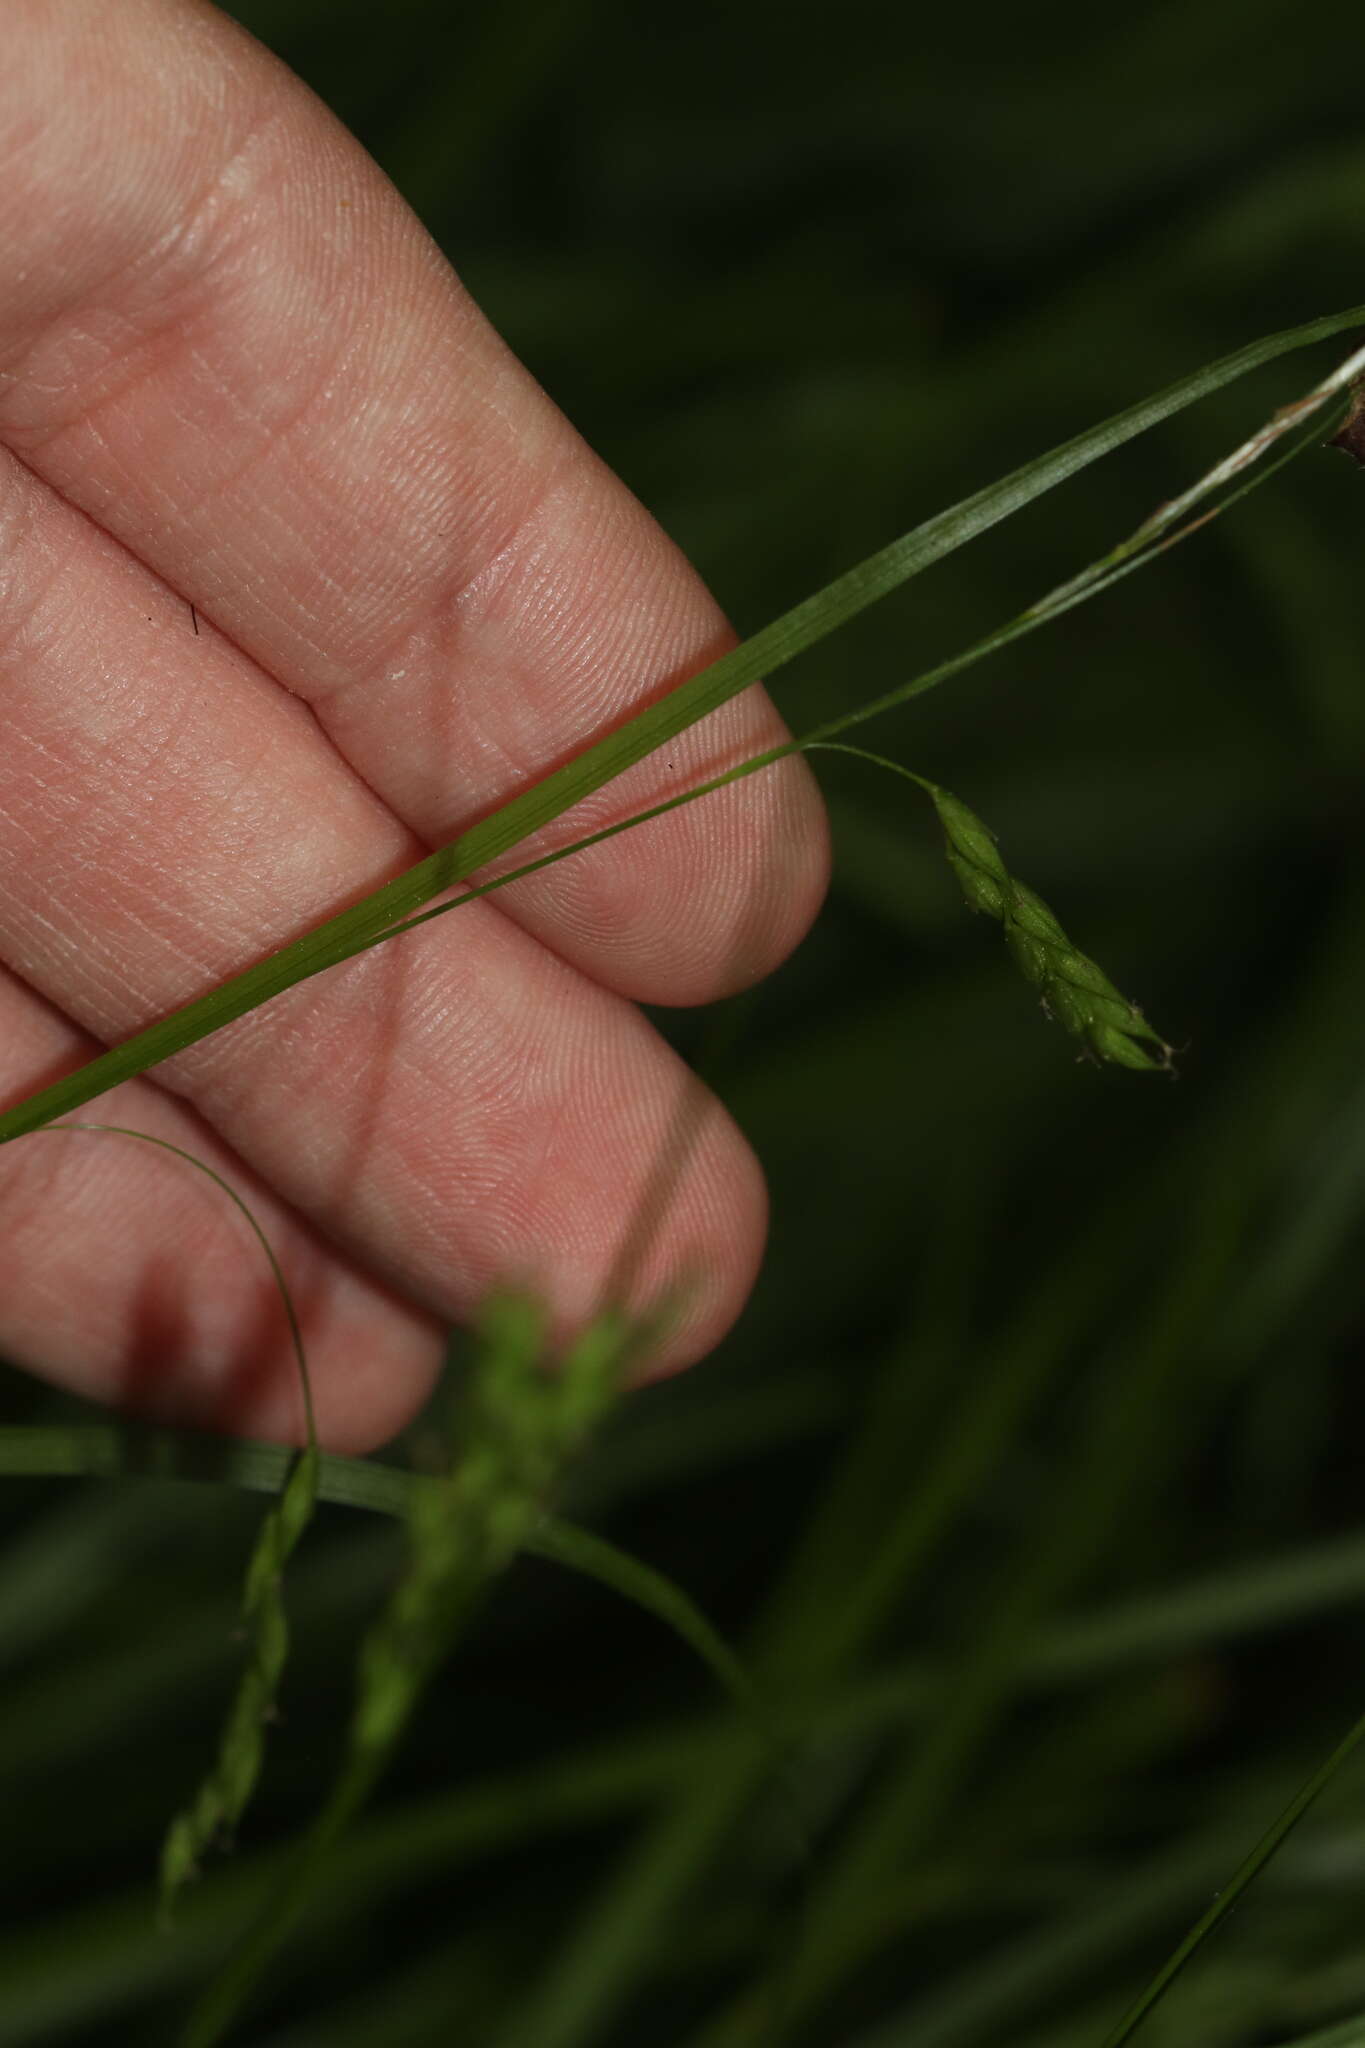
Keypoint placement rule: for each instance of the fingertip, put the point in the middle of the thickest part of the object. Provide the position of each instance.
(678, 1252)
(710, 899)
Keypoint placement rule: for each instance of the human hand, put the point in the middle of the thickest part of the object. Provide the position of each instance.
(235, 374)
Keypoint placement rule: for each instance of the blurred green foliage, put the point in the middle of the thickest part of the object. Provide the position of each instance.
(1031, 1480)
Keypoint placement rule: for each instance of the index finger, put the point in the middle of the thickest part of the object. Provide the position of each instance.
(225, 337)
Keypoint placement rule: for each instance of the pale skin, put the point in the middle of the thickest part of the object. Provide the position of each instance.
(235, 373)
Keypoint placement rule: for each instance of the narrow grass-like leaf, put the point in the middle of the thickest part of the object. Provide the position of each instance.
(1149, 540)
(639, 1583)
(1227, 1898)
(1346, 2034)
(1083, 1515)
(1267, 1593)
(982, 2002)
(100, 1957)
(620, 1930)
(103, 1450)
(611, 1949)
(389, 909)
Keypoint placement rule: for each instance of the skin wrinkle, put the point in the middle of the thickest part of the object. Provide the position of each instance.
(145, 735)
(474, 1101)
(136, 252)
(600, 896)
(482, 486)
(95, 387)
(204, 284)
(24, 595)
(586, 625)
(589, 629)
(525, 582)
(455, 614)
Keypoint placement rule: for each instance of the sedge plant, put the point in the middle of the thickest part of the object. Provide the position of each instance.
(521, 1429)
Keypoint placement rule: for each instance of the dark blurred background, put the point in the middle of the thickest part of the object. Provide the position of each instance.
(1032, 1478)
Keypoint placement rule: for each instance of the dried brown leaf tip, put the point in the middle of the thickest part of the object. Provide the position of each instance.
(1350, 436)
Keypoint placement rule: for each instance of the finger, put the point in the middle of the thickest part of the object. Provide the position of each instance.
(231, 343)
(127, 1277)
(458, 1108)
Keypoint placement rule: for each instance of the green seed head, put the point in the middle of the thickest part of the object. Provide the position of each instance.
(1075, 990)
(968, 838)
(981, 890)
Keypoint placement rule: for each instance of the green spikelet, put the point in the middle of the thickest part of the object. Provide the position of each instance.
(1074, 990)
(520, 1426)
(222, 1797)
